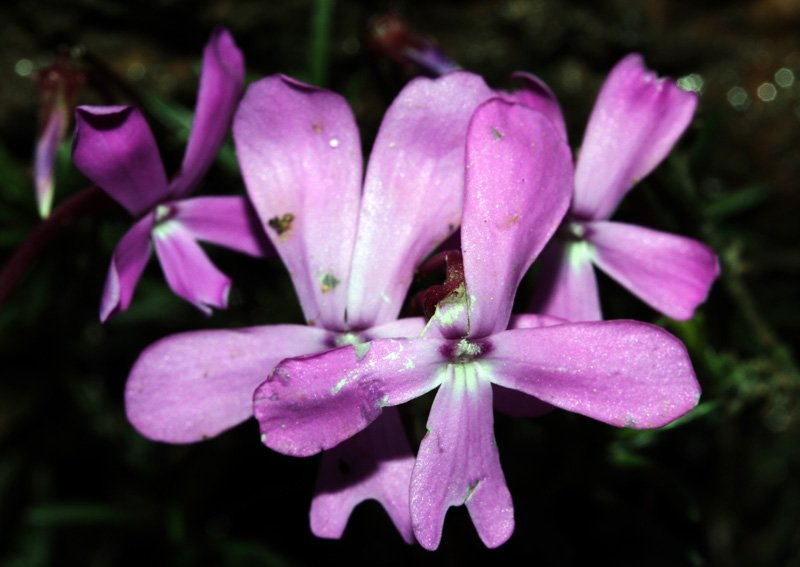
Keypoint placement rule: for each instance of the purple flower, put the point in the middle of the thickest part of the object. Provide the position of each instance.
(115, 148)
(350, 249)
(636, 121)
(59, 86)
(517, 189)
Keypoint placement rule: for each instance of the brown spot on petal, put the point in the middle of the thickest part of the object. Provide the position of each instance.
(282, 224)
(317, 127)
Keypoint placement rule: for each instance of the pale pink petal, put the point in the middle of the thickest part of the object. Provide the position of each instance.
(227, 221)
(458, 463)
(115, 149)
(566, 286)
(189, 272)
(375, 464)
(312, 403)
(127, 264)
(412, 192)
(221, 84)
(45, 158)
(398, 329)
(671, 273)
(518, 187)
(624, 373)
(195, 385)
(531, 321)
(635, 122)
(300, 154)
(535, 94)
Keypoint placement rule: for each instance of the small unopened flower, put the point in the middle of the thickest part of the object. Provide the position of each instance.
(391, 36)
(350, 249)
(114, 147)
(635, 123)
(59, 86)
(627, 374)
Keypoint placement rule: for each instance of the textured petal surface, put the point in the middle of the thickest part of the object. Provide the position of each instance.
(192, 386)
(535, 94)
(227, 221)
(624, 373)
(300, 155)
(518, 187)
(635, 122)
(127, 264)
(309, 404)
(400, 329)
(412, 192)
(114, 147)
(221, 84)
(45, 158)
(669, 272)
(458, 462)
(567, 286)
(375, 464)
(189, 272)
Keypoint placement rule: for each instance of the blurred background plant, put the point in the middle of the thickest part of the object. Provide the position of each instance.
(721, 487)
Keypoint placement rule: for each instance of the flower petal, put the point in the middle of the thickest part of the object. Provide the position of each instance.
(127, 264)
(227, 221)
(669, 272)
(115, 149)
(412, 191)
(399, 329)
(458, 462)
(375, 464)
(300, 155)
(193, 386)
(624, 373)
(309, 404)
(189, 272)
(567, 286)
(45, 158)
(535, 94)
(513, 402)
(221, 84)
(635, 122)
(518, 187)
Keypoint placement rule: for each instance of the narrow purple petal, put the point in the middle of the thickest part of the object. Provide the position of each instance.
(624, 373)
(669, 272)
(227, 221)
(193, 386)
(412, 191)
(189, 272)
(518, 187)
(458, 463)
(535, 94)
(635, 122)
(398, 329)
(45, 158)
(300, 155)
(115, 149)
(567, 286)
(309, 404)
(221, 84)
(375, 464)
(127, 264)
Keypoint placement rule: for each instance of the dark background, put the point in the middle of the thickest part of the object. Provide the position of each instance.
(79, 487)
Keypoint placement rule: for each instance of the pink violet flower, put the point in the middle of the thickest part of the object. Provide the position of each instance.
(350, 249)
(115, 149)
(59, 86)
(636, 121)
(625, 373)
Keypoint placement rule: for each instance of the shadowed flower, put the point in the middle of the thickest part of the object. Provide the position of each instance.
(350, 249)
(628, 374)
(635, 123)
(59, 86)
(114, 147)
